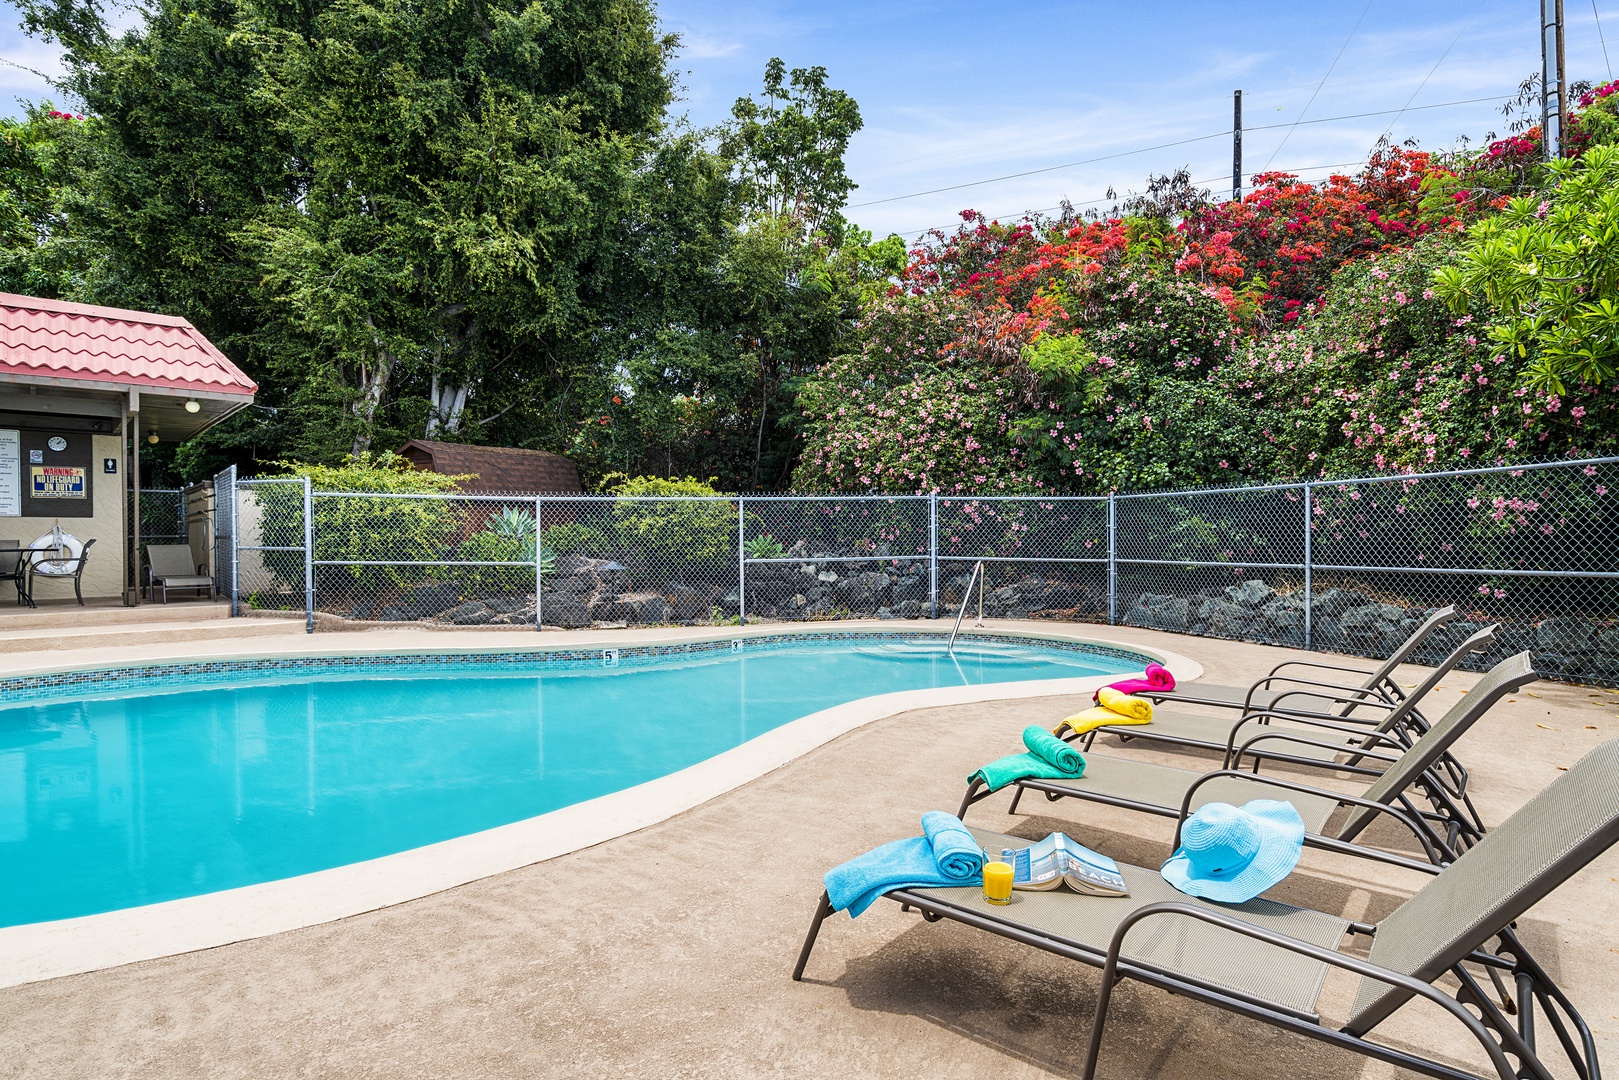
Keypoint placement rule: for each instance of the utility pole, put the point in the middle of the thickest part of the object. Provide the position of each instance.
(1553, 97)
(1236, 142)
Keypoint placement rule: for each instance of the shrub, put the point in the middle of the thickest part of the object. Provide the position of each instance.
(360, 529)
(662, 529)
(1548, 266)
(571, 538)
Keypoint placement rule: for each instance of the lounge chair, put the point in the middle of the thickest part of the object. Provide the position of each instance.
(1269, 960)
(1449, 825)
(169, 566)
(1315, 691)
(1203, 731)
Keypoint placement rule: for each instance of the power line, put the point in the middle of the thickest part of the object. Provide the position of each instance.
(1598, 17)
(1380, 112)
(1097, 202)
(1319, 85)
(1165, 146)
(1035, 172)
(1435, 67)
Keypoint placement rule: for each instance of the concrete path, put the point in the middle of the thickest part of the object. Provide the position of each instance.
(667, 953)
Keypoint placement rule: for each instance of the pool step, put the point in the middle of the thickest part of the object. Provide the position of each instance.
(55, 613)
(49, 639)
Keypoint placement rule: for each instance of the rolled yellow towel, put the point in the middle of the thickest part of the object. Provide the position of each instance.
(1096, 717)
(1124, 704)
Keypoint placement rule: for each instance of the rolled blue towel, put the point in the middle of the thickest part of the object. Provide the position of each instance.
(1048, 758)
(937, 858)
(954, 848)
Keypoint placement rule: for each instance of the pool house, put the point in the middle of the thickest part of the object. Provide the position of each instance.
(80, 387)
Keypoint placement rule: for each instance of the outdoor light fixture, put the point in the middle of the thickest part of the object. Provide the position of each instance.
(193, 405)
(152, 438)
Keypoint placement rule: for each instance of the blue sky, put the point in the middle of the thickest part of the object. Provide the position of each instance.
(954, 93)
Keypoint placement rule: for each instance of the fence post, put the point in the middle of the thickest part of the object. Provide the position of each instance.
(1112, 561)
(933, 555)
(1309, 559)
(539, 605)
(741, 563)
(235, 546)
(309, 557)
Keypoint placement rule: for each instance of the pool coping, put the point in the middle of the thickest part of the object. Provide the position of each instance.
(38, 951)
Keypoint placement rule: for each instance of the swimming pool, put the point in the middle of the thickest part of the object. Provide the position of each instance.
(147, 787)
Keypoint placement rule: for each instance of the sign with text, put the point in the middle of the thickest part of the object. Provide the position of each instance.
(58, 482)
(10, 472)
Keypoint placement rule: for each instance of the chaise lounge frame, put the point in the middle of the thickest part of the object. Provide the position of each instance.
(1442, 929)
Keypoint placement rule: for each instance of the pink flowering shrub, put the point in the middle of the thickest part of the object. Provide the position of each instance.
(1385, 377)
(916, 408)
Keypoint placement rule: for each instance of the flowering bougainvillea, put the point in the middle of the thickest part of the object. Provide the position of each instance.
(1294, 332)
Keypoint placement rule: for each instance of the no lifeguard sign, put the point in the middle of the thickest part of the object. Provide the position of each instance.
(58, 482)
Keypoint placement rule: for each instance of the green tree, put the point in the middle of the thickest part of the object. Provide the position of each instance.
(1547, 271)
(788, 148)
(41, 163)
(462, 166)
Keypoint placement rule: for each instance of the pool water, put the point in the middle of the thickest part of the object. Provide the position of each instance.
(110, 801)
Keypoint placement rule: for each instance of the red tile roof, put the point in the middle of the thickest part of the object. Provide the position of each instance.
(84, 344)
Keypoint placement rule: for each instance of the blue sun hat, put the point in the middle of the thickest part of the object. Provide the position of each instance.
(1229, 854)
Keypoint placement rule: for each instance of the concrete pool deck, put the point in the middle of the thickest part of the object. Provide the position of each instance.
(666, 952)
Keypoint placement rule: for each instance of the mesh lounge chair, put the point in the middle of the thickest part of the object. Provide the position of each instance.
(1308, 684)
(1269, 960)
(1448, 825)
(169, 566)
(1203, 731)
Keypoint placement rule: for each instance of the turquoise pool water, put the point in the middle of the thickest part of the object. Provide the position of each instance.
(118, 799)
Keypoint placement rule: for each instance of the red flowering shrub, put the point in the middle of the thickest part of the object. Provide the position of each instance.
(1292, 332)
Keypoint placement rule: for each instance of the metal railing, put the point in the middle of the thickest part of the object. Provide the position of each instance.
(978, 577)
(1343, 565)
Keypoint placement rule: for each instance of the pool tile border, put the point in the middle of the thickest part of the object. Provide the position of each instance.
(22, 689)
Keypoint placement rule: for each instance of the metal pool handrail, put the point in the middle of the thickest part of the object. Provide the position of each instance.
(978, 576)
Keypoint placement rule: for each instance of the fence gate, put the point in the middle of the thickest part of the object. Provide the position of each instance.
(225, 535)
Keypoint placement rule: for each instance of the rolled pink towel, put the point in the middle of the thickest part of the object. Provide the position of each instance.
(1157, 678)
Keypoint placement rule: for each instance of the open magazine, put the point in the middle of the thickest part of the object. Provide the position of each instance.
(1060, 859)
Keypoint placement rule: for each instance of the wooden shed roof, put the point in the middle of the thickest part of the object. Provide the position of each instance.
(497, 468)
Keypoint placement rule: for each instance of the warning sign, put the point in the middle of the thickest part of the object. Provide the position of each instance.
(58, 482)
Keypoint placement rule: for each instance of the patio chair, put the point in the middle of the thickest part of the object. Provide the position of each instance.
(1203, 731)
(1315, 691)
(12, 568)
(31, 569)
(169, 566)
(1269, 960)
(1449, 825)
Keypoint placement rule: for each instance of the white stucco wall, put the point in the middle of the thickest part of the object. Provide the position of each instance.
(104, 573)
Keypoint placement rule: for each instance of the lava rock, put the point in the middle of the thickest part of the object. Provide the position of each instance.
(645, 608)
(566, 611)
(1226, 619)
(471, 613)
(686, 603)
(1159, 612)
(1250, 594)
(1335, 602)
(1564, 634)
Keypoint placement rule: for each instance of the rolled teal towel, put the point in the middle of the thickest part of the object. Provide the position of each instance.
(954, 848)
(1049, 758)
(1046, 746)
(938, 858)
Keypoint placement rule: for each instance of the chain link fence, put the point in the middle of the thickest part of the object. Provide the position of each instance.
(1347, 566)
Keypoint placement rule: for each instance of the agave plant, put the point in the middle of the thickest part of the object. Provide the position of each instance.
(764, 547)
